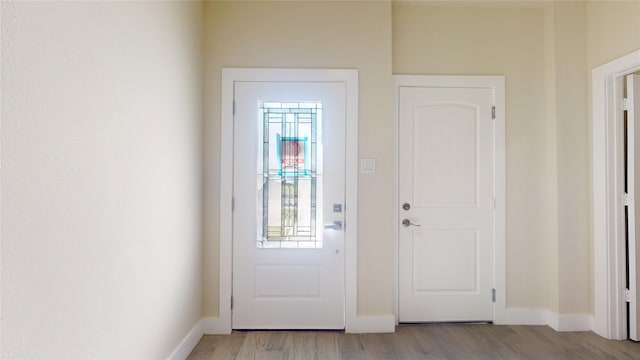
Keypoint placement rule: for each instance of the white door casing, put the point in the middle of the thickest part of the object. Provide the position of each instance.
(452, 150)
(609, 258)
(222, 324)
(283, 287)
(633, 191)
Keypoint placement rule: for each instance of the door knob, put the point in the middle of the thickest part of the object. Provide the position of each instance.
(407, 223)
(336, 225)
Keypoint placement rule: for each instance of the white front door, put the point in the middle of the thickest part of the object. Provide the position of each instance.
(446, 204)
(289, 201)
(633, 191)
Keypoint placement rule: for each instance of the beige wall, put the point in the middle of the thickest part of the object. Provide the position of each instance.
(456, 40)
(101, 117)
(311, 35)
(613, 29)
(544, 49)
(573, 248)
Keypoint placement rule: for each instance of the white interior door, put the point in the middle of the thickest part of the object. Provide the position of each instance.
(633, 189)
(289, 199)
(446, 197)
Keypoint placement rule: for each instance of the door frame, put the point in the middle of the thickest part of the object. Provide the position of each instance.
(229, 77)
(497, 85)
(609, 260)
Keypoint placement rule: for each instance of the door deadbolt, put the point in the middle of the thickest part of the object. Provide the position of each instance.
(406, 206)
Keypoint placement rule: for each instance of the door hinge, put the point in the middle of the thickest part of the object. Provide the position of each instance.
(626, 104)
(234, 107)
(233, 203)
(627, 295)
(627, 199)
(493, 112)
(231, 302)
(493, 295)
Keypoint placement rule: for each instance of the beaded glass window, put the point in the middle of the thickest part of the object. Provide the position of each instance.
(289, 177)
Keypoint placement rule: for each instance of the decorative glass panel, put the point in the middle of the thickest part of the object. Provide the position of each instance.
(289, 175)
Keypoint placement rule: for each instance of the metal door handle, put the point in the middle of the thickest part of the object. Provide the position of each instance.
(336, 225)
(407, 223)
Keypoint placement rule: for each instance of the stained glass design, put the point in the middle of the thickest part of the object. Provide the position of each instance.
(289, 175)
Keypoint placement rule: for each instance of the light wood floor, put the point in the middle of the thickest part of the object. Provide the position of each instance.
(437, 341)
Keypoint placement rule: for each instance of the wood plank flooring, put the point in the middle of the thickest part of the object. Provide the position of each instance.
(434, 341)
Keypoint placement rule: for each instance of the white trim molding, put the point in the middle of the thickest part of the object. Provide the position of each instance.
(205, 326)
(372, 324)
(231, 75)
(497, 84)
(608, 190)
(387, 323)
(570, 322)
(189, 343)
(558, 322)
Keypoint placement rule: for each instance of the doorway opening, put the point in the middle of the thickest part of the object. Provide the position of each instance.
(613, 188)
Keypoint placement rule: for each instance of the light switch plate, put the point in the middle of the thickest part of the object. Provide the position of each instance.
(367, 166)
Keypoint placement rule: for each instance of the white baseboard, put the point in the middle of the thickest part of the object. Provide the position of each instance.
(372, 324)
(188, 343)
(216, 326)
(523, 316)
(387, 324)
(558, 322)
(207, 325)
(570, 322)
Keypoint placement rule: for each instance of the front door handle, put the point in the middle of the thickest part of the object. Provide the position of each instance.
(407, 223)
(336, 225)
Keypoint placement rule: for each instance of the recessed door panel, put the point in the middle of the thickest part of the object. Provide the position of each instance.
(293, 280)
(445, 155)
(452, 252)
